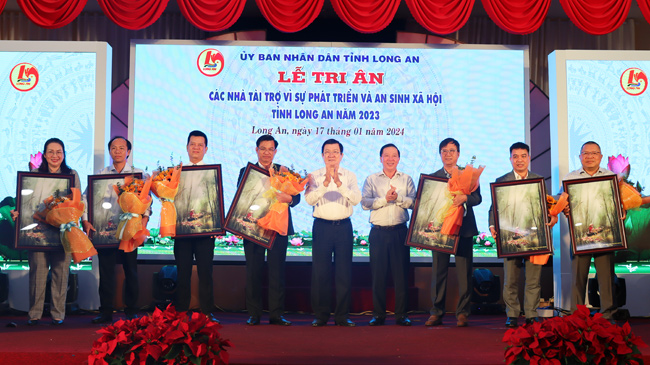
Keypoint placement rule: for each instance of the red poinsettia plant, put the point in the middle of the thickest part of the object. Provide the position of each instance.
(165, 337)
(574, 339)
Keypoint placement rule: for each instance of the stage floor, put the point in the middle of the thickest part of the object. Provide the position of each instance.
(480, 343)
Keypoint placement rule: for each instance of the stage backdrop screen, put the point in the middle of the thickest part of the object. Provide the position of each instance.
(364, 96)
(52, 89)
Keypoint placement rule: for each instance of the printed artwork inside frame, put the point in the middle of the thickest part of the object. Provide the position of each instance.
(428, 215)
(251, 204)
(520, 217)
(103, 209)
(199, 202)
(32, 189)
(595, 214)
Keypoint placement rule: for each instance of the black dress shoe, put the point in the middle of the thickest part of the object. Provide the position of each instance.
(280, 321)
(532, 320)
(253, 321)
(377, 321)
(103, 318)
(318, 323)
(404, 321)
(345, 323)
(32, 322)
(511, 322)
(212, 318)
(57, 322)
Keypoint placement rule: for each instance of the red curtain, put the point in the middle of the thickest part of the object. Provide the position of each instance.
(517, 16)
(133, 14)
(212, 15)
(2, 5)
(51, 14)
(644, 5)
(441, 16)
(366, 16)
(597, 17)
(290, 16)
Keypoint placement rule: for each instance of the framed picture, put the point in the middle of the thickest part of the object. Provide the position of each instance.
(199, 202)
(32, 189)
(103, 209)
(595, 213)
(428, 213)
(249, 205)
(520, 217)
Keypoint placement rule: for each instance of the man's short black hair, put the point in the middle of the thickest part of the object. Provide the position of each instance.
(519, 146)
(264, 138)
(331, 141)
(197, 134)
(381, 151)
(589, 142)
(128, 143)
(447, 141)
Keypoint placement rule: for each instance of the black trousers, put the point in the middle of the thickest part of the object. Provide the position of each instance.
(464, 262)
(186, 250)
(108, 258)
(387, 247)
(331, 238)
(276, 259)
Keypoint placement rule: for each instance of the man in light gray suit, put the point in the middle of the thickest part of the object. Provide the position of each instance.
(520, 160)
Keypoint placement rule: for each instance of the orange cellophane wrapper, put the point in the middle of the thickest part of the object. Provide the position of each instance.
(166, 192)
(130, 230)
(539, 259)
(630, 197)
(461, 182)
(277, 219)
(74, 241)
(559, 206)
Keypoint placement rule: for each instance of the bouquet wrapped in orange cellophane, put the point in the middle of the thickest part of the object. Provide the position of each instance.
(64, 212)
(277, 219)
(554, 208)
(134, 199)
(463, 182)
(165, 186)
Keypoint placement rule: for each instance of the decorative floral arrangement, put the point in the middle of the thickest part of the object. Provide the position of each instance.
(462, 181)
(574, 339)
(63, 212)
(134, 200)
(35, 161)
(165, 337)
(230, 240)
(484, 240)
(286, 181)
(630, 192)
(165, 187)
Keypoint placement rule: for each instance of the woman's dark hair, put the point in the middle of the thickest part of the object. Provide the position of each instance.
(65, 169)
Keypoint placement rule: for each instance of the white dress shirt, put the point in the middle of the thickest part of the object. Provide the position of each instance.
(582, 174)
(384, 213)
(332, 202)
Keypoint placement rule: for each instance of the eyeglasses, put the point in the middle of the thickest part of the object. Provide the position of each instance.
(590, 153)
(448, 151)
(54, 153)
(332, 153)
(263, 150)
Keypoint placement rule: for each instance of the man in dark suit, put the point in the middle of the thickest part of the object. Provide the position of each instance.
(520, 160)
(276, 256)
(200, 249)
(449, 152)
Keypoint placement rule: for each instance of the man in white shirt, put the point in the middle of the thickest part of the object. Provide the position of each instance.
(333, 192)
(200, 249)
(119, 148)
(388, 195)
(590, 157)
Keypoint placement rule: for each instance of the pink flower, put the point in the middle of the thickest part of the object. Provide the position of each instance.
(619, 165)
(488, 243)
(232, 240)
(35, 160)
(296, 241)
(363, 243)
